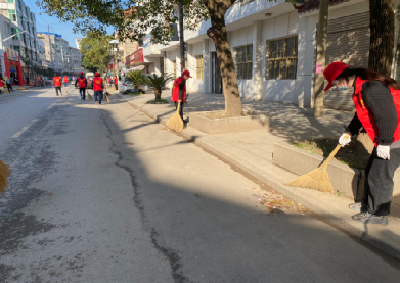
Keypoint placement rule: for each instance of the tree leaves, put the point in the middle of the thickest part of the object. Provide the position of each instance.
(146, 16)
(94, 49)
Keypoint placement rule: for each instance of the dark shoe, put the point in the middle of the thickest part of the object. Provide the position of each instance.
(358, 206)
(366, 218)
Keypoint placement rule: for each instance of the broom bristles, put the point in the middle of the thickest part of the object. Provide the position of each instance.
(315, 180)
(90, 97)
(176, 123)
(106, 98)
(4, 173)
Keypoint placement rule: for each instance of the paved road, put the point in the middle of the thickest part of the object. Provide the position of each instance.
(103, 194)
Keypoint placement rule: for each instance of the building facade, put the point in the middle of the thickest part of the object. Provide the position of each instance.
(62, 57)
(25, 39)
(274, 49)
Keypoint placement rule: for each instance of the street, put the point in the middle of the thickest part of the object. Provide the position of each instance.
(105, 194)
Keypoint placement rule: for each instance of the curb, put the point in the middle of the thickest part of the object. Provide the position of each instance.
(344, 224)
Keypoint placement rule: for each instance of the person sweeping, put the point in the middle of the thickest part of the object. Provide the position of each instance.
(65, 81)
(179, 92)
(97, 86)
(57, 84)
(82, 83)
(377, 102)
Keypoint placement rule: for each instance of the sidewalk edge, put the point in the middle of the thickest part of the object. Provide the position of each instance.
(345, 225)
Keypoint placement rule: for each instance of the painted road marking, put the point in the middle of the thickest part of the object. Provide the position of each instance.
(23, 130)
(20, 132)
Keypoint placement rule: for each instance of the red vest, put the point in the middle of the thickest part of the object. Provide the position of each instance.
(57, 81)
(175, 90)
(116, 81)
(82, 82)
(366, 116)
(97, 84)
(65, 79)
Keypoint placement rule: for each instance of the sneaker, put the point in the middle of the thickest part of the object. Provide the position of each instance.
(366, 218)
(358, 206)
(96, 102)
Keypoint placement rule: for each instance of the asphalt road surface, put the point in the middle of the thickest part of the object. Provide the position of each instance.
(104, 194)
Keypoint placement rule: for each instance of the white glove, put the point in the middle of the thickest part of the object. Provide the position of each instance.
(345, 139)
(383, 151)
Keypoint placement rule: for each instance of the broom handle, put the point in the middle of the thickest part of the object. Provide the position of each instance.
(179, 106)
(331, 155)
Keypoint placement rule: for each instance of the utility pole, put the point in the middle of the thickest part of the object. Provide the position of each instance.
(116, 60)
(181, 41)
(51, 49)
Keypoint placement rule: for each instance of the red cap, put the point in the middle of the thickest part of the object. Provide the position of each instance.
(186, 73)
(82, 74)
(97, 75)
(332, 71)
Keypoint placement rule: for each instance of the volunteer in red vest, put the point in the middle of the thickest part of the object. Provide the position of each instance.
(377, 102)
(82, 83)
(116, 83)
(97, 86)
(179, 91)
(57, 84)
(65, 81)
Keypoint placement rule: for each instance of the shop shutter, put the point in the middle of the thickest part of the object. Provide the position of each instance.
(347, 41)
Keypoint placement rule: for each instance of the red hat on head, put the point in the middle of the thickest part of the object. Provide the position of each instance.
(186, 73)
(332, 71)
(81, 73)
(97, 75)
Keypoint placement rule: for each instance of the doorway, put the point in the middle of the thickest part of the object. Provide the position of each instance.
(216, 80)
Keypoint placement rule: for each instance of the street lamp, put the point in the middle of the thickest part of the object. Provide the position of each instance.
(13, 35)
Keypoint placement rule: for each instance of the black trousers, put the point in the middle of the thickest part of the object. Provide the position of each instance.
(58, 89)
(116, 87)
(98, 95)
(180, 109)
(82, 92)
(9, 87)
(378, 187)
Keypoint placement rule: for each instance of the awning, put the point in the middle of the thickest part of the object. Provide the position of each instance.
(138, 67)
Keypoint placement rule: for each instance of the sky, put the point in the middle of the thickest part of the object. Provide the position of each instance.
(65, 29)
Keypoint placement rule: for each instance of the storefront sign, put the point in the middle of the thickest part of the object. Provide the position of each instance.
(11, 53)
(146, 40)
(136, 57)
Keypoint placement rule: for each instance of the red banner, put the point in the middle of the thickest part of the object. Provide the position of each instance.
(136, 57)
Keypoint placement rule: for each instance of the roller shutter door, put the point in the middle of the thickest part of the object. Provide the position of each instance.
(347, 41)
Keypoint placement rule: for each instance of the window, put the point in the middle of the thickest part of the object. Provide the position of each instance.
(16, 48)
(244, 62)
(174, 66)
(283, 59)
(11, 15)
(199, 67)
(15, 31)
(10, 1)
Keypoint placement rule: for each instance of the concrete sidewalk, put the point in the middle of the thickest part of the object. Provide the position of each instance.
(252, 152)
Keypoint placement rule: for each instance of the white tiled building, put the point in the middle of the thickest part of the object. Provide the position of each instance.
(274, 49)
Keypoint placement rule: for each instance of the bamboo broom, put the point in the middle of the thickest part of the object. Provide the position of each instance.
(4, 173)
(176, 123)
(66, 92)
(89, 96)
(317, 179)
(106, 97)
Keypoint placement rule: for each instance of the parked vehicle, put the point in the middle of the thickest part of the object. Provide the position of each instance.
(127, 87)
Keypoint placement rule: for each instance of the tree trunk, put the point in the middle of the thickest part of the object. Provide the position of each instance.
(381, 43)
(321, 51)
(233, 105)
(157, 93)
